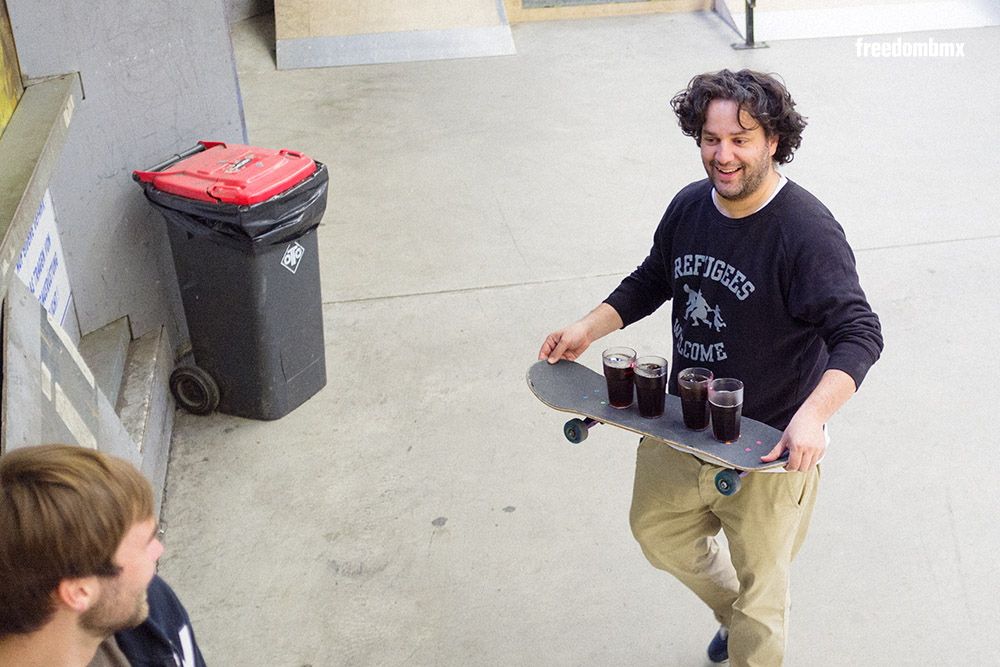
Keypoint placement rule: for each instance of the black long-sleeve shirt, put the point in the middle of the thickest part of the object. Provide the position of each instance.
(772, 299)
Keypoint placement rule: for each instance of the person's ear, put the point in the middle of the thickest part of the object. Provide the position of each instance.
(78, 594)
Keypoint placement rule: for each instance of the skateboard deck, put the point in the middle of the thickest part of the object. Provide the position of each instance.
(571, 387)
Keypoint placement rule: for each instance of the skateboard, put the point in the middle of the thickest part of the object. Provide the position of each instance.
(571, 387)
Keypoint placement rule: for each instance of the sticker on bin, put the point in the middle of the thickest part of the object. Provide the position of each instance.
(293, 254)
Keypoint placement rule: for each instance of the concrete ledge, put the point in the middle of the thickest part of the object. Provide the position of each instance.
(146, 375)
(105, 352)
(29, 150)
(145, 406)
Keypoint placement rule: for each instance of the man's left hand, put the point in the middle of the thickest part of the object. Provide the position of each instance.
(805, 442)
(804, 439)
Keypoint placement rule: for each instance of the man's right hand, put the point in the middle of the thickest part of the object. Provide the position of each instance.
(570, 342)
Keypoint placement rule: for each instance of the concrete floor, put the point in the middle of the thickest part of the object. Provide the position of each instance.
(425, 510)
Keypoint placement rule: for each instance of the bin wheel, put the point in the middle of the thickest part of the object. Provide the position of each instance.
(194, 390)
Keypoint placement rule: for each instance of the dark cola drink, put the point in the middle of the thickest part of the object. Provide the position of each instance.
(725, 396)
(651, 386)
(619, 374)
(726, 422)
(695, 414)
(693, 384)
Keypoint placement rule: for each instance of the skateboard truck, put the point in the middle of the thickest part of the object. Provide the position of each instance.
(727, 482)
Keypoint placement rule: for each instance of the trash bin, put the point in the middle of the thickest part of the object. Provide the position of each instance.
(242, 226)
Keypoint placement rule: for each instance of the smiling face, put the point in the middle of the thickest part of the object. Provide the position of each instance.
(737, 154)
(122, 601)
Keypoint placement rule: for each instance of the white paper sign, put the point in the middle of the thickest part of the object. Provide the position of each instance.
(42, 265)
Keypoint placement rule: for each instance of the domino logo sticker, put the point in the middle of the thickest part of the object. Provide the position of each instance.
(293, 256)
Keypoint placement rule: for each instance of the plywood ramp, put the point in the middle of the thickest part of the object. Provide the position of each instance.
(318, 33)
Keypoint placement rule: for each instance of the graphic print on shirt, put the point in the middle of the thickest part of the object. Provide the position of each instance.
(187, 647)
(699, 312)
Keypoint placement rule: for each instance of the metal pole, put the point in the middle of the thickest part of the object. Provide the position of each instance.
(750, 43)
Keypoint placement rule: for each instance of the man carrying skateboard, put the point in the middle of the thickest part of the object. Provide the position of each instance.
(768, 259)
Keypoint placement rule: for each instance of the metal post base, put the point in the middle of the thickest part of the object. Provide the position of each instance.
(750, 43)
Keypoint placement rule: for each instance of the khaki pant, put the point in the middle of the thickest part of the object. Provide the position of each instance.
(677, 513)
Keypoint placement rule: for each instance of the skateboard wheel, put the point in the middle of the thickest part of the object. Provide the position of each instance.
(576, 431)
(728, 482)
(194, 390)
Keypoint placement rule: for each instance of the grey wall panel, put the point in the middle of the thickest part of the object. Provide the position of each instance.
(21, 419)
(157, 77)
(50, 395)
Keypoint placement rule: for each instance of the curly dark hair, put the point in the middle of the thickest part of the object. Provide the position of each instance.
(763, 96)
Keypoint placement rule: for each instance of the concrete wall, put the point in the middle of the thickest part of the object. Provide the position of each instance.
(157, 77)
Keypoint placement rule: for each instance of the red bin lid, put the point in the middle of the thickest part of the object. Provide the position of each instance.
(232, 174)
